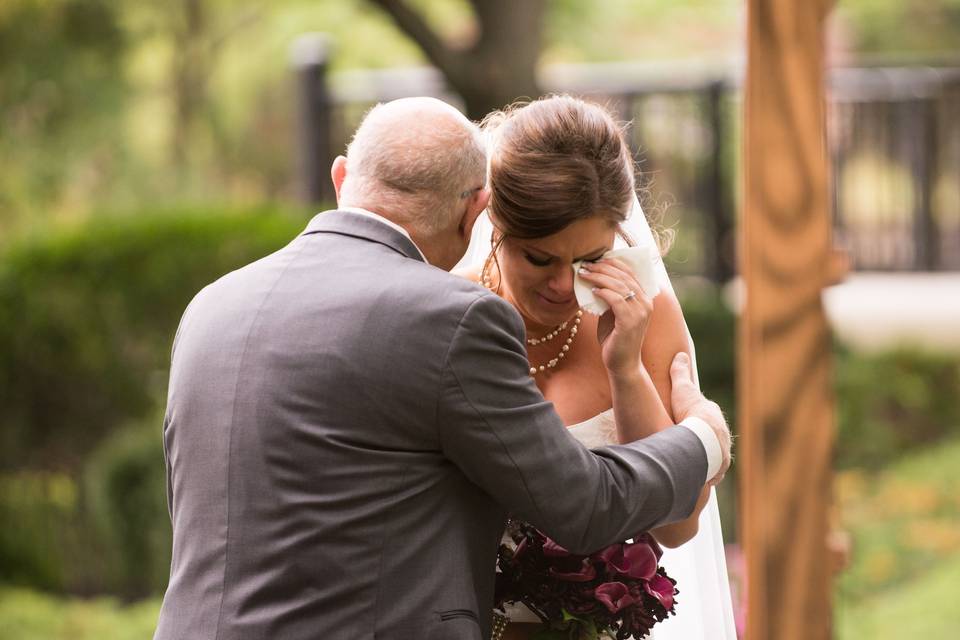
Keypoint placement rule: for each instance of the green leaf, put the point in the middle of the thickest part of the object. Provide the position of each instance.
(567, 617)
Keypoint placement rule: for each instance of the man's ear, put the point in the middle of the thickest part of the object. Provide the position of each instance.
(338, 172)
(476, 203)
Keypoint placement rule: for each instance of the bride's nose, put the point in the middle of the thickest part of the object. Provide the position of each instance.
(561, 280)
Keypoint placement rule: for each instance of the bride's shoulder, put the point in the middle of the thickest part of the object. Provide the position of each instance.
(471, 273)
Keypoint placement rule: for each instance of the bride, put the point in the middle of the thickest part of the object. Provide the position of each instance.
(563, 192)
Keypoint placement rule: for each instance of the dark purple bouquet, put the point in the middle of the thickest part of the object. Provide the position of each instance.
(618, 592)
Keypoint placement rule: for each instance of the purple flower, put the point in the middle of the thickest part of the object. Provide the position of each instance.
(607, 554)
(614, 596)
(662, 589)
(637, 560)
(641, 561)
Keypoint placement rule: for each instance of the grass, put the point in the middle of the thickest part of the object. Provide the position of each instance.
(925, 607)
(904, 576)
(29, 615)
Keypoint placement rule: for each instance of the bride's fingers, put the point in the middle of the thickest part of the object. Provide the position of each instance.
(615, 269)
(621, 306)
(605, 281)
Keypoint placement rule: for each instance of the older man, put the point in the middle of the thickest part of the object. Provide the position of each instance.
(348, 424)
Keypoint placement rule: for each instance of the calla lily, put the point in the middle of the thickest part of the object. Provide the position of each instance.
(614, 596)
(637, 560)
(641, 561)
(662, 589)
(607, 554)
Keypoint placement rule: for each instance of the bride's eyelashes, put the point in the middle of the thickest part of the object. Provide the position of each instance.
(545, 262)
(537, 262)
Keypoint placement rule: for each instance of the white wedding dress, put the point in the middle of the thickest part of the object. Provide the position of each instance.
(704, 610)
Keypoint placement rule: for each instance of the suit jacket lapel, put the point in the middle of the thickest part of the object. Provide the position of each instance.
(352, 224)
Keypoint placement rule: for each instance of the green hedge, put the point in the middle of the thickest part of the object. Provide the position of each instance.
(893, 402)
(87, 316)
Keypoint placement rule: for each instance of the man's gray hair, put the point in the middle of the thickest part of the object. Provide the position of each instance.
(417, 164)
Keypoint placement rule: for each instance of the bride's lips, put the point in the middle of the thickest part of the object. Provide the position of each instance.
(555, 303)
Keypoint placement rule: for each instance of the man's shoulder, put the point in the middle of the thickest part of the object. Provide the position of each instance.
(431, 290)
(453, 289)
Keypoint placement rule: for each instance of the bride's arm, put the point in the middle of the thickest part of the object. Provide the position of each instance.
(643, 415)
(640, 404)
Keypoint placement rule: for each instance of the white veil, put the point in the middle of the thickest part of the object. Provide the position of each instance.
(704, 609)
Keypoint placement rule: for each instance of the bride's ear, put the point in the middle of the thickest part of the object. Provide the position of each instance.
(476, 203)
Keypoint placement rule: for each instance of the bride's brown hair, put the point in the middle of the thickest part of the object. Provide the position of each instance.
(554, 161)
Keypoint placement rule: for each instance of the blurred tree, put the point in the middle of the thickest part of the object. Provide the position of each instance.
(61, 81)
(497, 66)
(903, 27)
(198, 30)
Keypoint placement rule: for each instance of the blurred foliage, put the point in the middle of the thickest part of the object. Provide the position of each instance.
(60, 87)
(906, 546)
(889, 403)
(105, 105)
(126, 488)
(924, 607)
(87, 315)
(28, 615)
(902, 26)
(35, 507)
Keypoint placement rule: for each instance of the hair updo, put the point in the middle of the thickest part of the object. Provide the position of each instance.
(554, 161)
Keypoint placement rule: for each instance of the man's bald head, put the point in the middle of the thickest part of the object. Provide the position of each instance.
(411, 160)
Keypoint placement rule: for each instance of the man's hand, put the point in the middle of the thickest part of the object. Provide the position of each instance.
(687, 400)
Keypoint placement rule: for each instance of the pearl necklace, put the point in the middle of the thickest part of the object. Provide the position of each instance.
(550, 336)
(553, 362)
(563, 350)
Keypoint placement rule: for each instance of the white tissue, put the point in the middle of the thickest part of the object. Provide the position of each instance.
(641, 260)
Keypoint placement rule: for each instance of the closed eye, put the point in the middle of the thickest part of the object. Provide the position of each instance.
(545, 262)
(537, 262)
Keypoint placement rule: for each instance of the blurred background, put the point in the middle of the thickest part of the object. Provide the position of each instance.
(148, 147)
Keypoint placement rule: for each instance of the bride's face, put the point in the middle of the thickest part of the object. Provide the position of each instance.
(536, 275)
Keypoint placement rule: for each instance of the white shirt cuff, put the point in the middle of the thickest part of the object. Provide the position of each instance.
(710, 443)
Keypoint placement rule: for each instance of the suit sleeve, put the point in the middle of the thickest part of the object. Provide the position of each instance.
(497, 427)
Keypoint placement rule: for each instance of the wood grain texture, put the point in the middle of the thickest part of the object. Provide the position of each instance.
(785, 389)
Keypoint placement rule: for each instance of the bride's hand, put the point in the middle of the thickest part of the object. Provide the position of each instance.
(621, 329)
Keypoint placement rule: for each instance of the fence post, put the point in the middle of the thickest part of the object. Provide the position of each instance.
(309, 55)
(719, 227)
(923, 163)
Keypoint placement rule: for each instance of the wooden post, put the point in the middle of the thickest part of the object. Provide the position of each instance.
(309, 56)
(785, 398)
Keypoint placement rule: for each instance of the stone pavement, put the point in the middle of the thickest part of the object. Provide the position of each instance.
(881, 310)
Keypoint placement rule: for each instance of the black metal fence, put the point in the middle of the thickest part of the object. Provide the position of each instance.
(893, 138)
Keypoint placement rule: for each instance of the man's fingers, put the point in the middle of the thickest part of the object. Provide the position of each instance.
(680, 371)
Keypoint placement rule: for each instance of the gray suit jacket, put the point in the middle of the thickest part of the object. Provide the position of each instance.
(347, 428)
